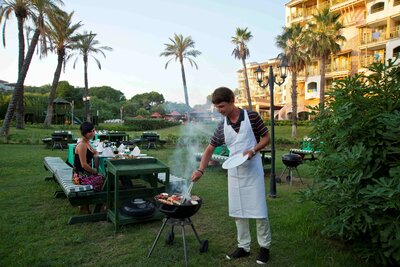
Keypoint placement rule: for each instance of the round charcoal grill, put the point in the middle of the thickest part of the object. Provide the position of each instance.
(291, 161)
(179, 215)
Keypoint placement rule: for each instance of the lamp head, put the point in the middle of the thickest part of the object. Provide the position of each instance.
(259, 74)
(283, 67)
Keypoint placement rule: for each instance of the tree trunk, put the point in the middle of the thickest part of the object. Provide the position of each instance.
(184, 85)
(20, 84)
(294, 103)
(87, 103)
(20, 101)
(57, 73)
(247, 85)
(322, 83)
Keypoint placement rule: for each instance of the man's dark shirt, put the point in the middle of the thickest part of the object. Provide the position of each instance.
(259, 128)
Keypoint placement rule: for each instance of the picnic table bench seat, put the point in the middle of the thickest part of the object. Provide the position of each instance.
(62, 173)
(77, 194)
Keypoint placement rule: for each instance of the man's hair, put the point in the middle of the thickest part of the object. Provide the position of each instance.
(222, 94)
(86, 127)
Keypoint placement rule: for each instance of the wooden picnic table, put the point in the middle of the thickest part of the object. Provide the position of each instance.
(144, 173)
(113, 136)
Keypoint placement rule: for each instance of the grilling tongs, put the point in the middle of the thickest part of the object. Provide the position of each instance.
(187, 195)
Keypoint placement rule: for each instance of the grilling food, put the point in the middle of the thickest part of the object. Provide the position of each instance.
(175, 199)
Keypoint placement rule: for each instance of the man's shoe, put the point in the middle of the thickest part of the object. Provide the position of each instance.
(263, 256)
(238, 253)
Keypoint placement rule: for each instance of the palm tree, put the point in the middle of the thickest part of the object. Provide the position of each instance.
(179, 49)
(22, 10)
(242, 52)
(61, 31)
(291, 41)
(324, 34)
(40, 9)
(87, 45)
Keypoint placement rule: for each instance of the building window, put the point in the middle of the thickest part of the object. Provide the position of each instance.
(396, 52)
(377, 7)
(312, 87)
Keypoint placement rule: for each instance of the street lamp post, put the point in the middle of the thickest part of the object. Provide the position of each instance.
(72, 112)
(86, 100)
(271, 80)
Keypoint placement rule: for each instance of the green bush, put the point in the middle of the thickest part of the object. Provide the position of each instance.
(358, 177)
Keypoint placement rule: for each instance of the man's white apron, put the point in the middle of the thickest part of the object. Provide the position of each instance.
(246, 189)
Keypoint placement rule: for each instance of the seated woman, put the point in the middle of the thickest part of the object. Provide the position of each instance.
(84, 155)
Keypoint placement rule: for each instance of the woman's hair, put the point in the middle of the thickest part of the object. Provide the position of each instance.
(86, 127)
(222, 94)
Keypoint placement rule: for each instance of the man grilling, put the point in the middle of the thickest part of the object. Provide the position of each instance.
(244, 133)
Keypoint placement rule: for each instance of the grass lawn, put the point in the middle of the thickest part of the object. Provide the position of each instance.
(34, 232)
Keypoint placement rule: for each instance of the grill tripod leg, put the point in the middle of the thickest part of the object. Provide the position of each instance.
(282, 173)
(158, 237)
(184, 243)
(194, 230)
(301, 180)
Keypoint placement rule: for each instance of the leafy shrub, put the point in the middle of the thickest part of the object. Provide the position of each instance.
(358, 178)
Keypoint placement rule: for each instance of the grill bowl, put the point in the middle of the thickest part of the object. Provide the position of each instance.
(292, 160)
(179, 211)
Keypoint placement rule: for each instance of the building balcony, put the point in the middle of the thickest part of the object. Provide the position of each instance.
(311, 94)
(324, 5)
(369, 38)
(395, 32)
(302, 13)
(341, 4)
(338, 69)
(313, 71)
(368, 60)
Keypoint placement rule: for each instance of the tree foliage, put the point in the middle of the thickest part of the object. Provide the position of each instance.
(242, 52)
(181, 48)
(148, 100)
(324, 36)
(358, 175)
(173, 106)
(291, 41)
(107, 93)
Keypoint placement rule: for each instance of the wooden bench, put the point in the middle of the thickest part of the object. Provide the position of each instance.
(77, 194)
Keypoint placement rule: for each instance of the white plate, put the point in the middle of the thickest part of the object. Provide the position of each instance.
(135, 152)
(234, 161)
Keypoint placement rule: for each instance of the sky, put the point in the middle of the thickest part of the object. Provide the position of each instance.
(137, 31)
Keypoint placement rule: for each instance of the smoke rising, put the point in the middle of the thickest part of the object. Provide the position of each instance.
(194, 137)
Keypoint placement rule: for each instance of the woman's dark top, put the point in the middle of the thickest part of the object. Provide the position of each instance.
(77, 163)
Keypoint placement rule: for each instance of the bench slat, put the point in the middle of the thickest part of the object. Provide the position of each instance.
(63, 174)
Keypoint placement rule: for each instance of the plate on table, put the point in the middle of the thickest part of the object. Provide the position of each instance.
(234, 161)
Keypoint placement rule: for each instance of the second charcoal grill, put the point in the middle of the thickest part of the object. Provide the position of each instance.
(291, 161)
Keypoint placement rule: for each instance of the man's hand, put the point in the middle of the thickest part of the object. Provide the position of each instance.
(249, 153)
(196, 175)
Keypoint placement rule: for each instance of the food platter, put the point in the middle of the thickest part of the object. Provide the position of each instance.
(234, 161)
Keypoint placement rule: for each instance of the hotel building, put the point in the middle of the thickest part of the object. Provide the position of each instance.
(372, 32)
